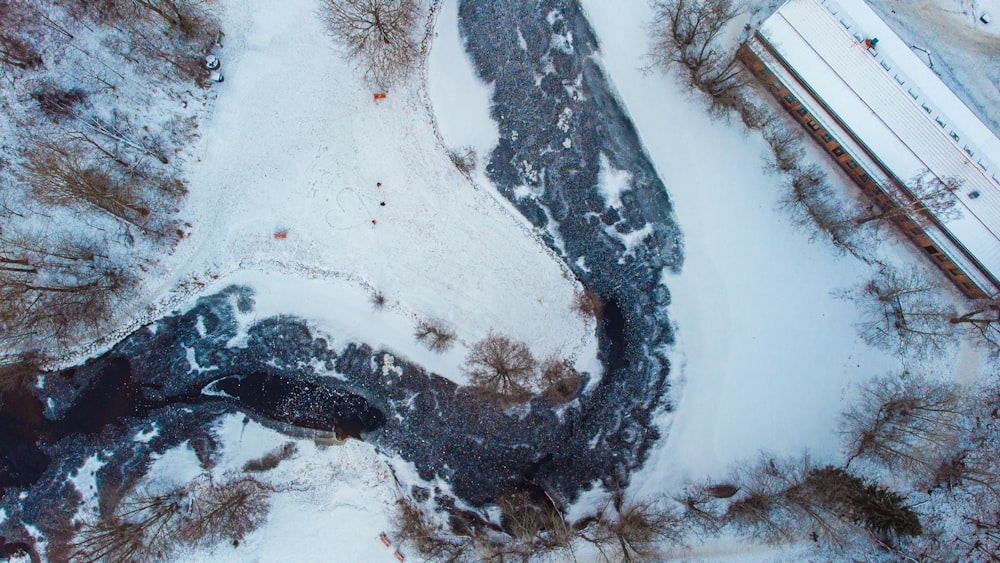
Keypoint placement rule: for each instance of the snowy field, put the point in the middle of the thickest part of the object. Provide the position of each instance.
(296, 145)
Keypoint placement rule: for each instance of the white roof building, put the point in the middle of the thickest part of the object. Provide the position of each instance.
(903, 116)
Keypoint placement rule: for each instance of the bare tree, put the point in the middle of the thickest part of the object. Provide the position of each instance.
(225, 511)
(903, 423)
(634, 530)
(501, 369)
(983, 320)
(759, 509)
(50, 286)
(903, 312)
(685, 34)
(378, 35)
(139, 530)
(185, 15)
(930, 197)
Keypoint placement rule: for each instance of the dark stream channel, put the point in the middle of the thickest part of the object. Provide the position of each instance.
(114, 396)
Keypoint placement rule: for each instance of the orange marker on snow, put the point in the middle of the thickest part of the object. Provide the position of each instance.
(400, 557)
(379, 95)
(281, 235)
(385, 539)
(374, 222)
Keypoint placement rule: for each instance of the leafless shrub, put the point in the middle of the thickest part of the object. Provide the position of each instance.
(434, 334)
(464, 159)
(560, 379)
(56, 102)
(271, 460)
(538, 526)
(378, 35)
(501, 369)
(902, 423)
(414, 527)
(589, 304)
(378, 300)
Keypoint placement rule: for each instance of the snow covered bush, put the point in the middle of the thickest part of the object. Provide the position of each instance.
(380, 36)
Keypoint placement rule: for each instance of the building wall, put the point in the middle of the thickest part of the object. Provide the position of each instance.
(814, 125)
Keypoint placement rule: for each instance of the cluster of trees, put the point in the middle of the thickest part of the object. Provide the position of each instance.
(379, 36)
(942, 440)
(686, 35)
(90, 190)
(532, 526)
(905, 313)
(144, 527)
(503, 371)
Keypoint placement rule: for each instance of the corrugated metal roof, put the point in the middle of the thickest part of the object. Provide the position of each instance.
(886, 104)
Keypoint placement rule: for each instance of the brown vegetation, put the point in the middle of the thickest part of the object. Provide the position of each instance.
(272, 459)
(589, 304)
(501, 369)
(434, 334)
(378, 35)
(560, 379)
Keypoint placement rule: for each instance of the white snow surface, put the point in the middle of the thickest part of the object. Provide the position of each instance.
(85, 482)
(461, 100)
(298, 148)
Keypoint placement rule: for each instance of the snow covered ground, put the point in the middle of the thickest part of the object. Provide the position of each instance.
(297, 146)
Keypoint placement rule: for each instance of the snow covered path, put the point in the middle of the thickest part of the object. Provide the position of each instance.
(297, 145)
